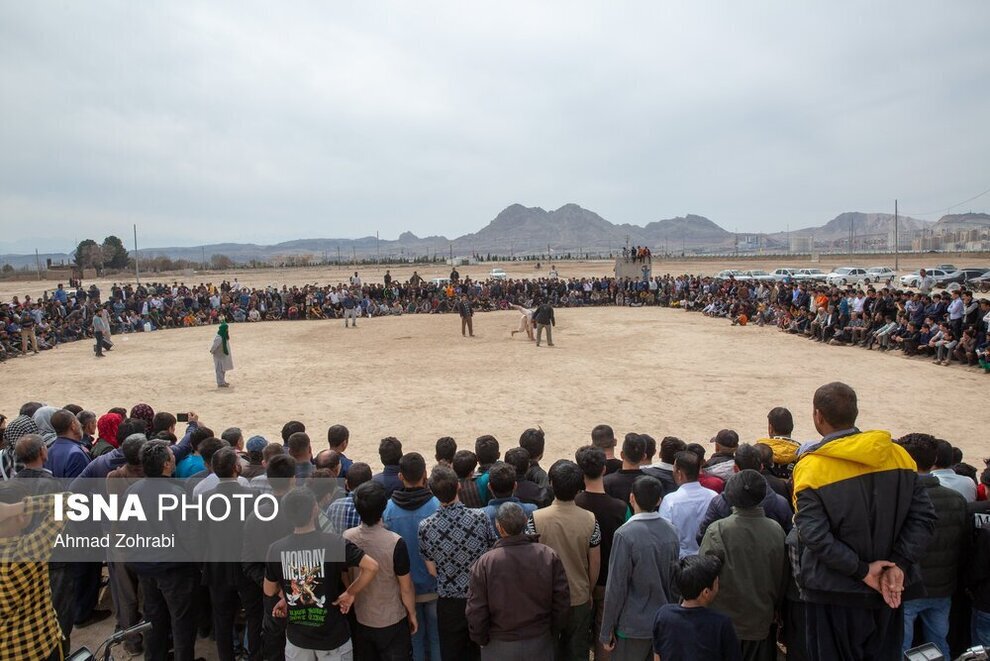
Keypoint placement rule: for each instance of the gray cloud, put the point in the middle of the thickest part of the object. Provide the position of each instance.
(257, 122)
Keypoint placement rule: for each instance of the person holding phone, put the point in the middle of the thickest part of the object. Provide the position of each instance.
(223, 362)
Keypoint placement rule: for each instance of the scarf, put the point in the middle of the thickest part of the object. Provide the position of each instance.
(43, 418)
(108, 424)
(143, 412)
(225, 334)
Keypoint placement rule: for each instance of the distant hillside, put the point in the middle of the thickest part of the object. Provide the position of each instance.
(862, 224)
(962, 221)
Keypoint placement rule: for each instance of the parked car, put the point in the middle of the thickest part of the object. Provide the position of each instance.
(961, 276)
(809, 275)
(846, 275)
(783, 274)
(880, 274)
(440, 282)
(911, 279)
(948, 268)
(755, 276)
(728, 273)
(497, 274)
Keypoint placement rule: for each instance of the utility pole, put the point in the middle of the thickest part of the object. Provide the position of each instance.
(378, 245)
(897, 253)
(137, 273)
(451, 254)
(37, 262)
(338, 254)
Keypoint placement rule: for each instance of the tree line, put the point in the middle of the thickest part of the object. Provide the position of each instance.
(111, 254)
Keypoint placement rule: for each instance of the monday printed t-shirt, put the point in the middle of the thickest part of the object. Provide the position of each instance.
(308, 567)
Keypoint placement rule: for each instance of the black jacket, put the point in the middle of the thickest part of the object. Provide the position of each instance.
(773, 504)
(544, 315)
(665, 476)
(858, 500)
(224, 540)
(940, 565)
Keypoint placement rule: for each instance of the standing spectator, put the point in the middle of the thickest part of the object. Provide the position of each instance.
(949, 478)
(486, 448)
(407, 508)
(87, 419)
(780, 426)
(773, 506)
(309, 596)
(720, 464)
(501, 484)
(338, 437)
(686, 507)
(862, 524)
(603, 437)
(644, 552)
(169, 589)
(341, 513)
(301, 449)
(754, 571)
(534, 441)
(28, 332)
(29, 626)
(466, 313)
(619, 484)
(223, 361)
(518, 598)
(255, 454)
(610, 513)
(101, 331)
(66, 456)
(450, 541)
(446, 448)
(386, 608)
(390, 452)
(526, 491)
(545, 321)
(691, 631)
(464, 464)
(716, 484)
(940, 565)
(261, 530)
(574, 535)
(663, 470)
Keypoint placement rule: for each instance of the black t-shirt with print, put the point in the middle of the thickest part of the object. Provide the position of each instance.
(308, 567)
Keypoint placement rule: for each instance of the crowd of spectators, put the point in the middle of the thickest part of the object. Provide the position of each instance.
(834, 548)
(949, 327)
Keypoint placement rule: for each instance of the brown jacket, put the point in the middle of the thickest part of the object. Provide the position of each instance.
(518, 591)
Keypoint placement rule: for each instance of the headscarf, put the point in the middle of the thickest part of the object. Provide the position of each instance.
(107, 426)
(225, 334)
(43, 418)
(143, 412)
(22, 425)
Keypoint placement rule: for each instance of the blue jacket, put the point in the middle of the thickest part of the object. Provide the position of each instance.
(492, 507)
(66, 458)
(403, 514)
(389, 478)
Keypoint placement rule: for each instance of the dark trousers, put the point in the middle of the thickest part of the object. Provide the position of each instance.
(272, 632)
(840, 633)
(170, 605)
(795, 634)
(760, 650)
(227, 601)
(63, 584)
(101, 343)
(392, 643)
(455, 643)
(574, 641)
(87, 577)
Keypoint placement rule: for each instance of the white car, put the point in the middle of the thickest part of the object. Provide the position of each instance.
(880, 274)
(497, 274)
(755, 276)
(911, 279)
(783, 274)
(728, 273)
(809, 275)
(845, 275)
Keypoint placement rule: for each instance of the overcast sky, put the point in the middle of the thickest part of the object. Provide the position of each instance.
(263, 122)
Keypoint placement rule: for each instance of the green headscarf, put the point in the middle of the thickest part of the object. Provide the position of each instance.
(225, 334)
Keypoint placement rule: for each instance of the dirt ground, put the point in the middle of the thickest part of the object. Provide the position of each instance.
(652, 370)
(565, 269)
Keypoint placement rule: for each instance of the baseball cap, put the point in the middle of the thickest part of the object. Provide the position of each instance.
(726, 438)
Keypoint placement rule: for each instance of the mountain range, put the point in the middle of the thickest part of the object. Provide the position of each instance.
(518, 230)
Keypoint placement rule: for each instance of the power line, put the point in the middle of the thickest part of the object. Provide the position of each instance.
(947, 209)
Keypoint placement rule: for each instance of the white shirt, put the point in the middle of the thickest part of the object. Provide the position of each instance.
(959, 483)
(210, 482)
(684, 509)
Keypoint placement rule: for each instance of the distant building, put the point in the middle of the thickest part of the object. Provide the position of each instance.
(801, 244)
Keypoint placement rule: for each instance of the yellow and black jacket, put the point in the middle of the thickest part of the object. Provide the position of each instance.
(785, 450)
(858, 499)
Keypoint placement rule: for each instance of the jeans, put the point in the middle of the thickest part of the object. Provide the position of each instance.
(574, 641)
(981, 628)
(170, 605)
(934, 614)
(227, 600)
(426, 641)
